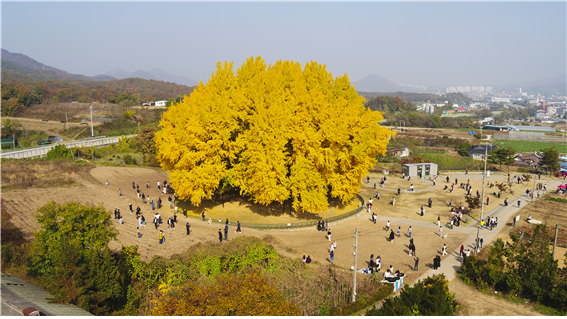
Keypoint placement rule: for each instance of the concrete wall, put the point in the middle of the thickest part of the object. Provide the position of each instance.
(42, 151)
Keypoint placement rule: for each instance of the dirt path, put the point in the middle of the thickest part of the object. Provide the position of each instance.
(476, 303)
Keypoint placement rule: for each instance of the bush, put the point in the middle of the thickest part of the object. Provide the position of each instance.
(59, 151)
(428, 297)
(129, 160)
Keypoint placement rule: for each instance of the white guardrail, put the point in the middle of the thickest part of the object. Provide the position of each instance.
(42, 150)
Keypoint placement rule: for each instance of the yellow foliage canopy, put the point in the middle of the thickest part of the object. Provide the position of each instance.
(275, 132)
(230, 295)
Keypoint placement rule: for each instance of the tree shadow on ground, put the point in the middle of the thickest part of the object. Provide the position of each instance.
(275, 209)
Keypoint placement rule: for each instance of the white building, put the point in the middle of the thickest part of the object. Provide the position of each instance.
(161, 103)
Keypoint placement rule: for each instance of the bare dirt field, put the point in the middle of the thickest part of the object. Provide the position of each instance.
(476, 303)
(292, 243)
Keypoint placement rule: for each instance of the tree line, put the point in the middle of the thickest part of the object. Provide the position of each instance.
(28, 91)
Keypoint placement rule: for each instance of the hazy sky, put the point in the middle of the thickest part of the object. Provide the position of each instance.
(437, 43)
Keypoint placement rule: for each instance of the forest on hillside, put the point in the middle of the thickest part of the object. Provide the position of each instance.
(20, 91)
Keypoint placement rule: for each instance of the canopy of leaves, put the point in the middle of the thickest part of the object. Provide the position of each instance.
(550, 159)
(83, 225)
(278, 132)
(247, 295)
(428, 297)
(70, 257)
(60, 151)
(502, 156)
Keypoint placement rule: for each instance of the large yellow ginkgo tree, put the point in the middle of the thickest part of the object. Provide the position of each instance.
(274, 132)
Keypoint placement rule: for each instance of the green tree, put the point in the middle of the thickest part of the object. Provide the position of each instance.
(549, 160)
(59, 151)
(70, 256)
(9, 126)
(279, 132)
(463, 148)
(503, 156)
(428, 297)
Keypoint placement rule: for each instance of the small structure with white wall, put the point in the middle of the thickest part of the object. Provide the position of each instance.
(161, 103)
(420, 169)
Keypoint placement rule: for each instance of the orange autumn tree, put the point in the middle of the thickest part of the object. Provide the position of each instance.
(247, 295)
(275, 132)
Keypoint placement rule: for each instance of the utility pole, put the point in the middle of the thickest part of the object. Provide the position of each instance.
(533, 191)
(355, 267)
(555, 241)
(92, 130)
(481, 201)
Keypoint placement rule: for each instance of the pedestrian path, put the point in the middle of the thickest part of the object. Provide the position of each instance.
(452, 263)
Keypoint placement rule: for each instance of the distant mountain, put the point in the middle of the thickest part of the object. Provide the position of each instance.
(551, 86)
(153, 74)
(23, 65)
(376, 83)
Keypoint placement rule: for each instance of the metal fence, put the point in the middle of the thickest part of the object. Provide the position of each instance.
(311, 223)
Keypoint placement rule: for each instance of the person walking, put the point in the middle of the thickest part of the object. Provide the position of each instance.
(399, 191)
(133, 185)
(399, 230)
(203, 216)
(392, 236)
(429, 202)
(481, 240)
(120, 192)
(444, 249)
(387, 226)
(487, 200)
(438, 220)
(161, 237)
(440, 231)
(329, 234)
(415, 267)
(409, 232)
(518, 203)
(422, 210)
(462, 250)
(226, 232)
(139, 234)
(238, 227)
(188, 227)
(153, 205)
(332, 256)
(130, 206)
(220, 236)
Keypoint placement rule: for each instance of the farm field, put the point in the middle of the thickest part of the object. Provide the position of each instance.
(527, 146)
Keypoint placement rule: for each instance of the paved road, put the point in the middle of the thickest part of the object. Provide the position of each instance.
(42, 150)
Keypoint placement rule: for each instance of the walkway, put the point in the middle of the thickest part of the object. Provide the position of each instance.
(452, 262)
